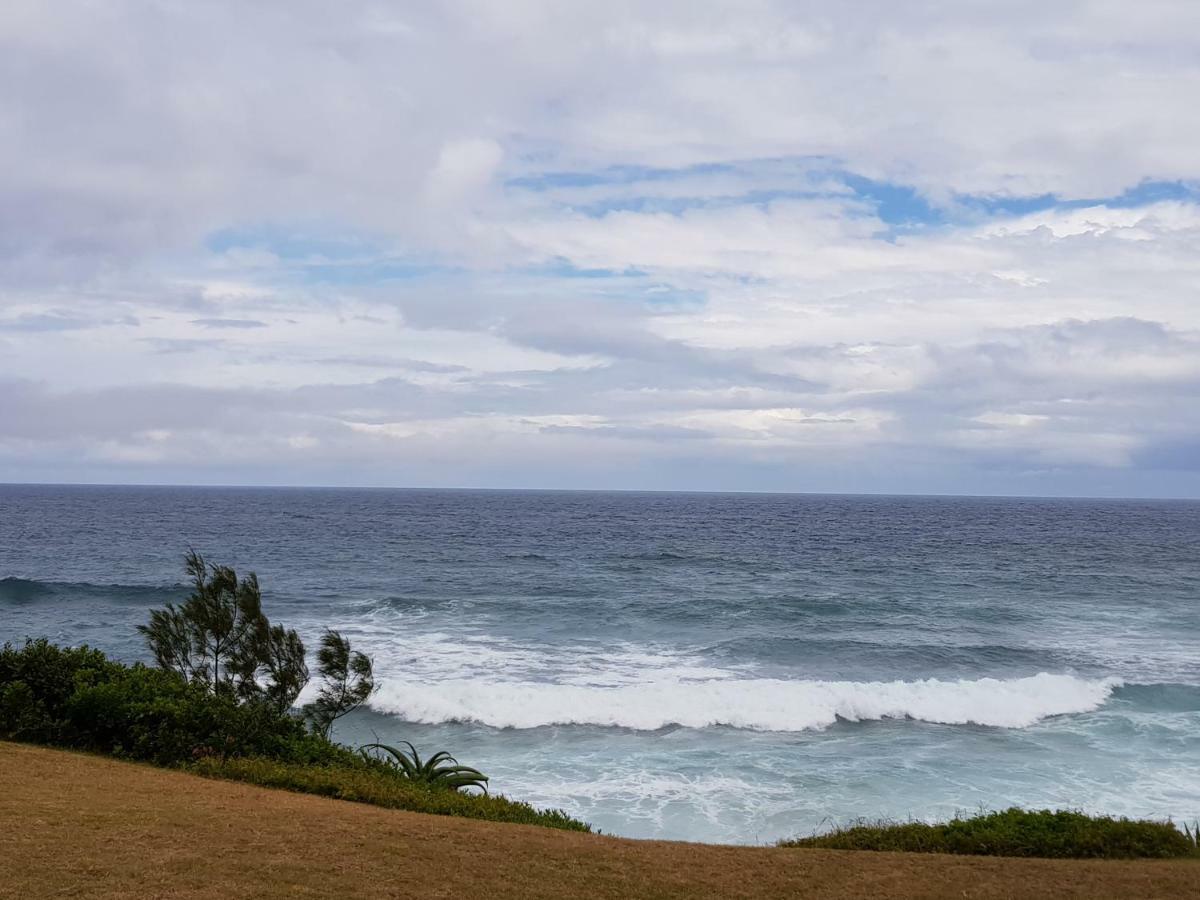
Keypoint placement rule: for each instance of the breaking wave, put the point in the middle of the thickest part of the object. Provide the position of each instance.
(751, 703)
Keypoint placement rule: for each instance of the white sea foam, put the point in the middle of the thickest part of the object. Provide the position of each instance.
(754, 703)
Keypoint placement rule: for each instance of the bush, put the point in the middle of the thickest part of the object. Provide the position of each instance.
(36, 683)
(154, 715)
(372, 782)
(76, 697)
(1015, 832)
(23, 716)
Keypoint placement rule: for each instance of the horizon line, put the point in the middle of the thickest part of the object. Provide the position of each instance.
(562, 490)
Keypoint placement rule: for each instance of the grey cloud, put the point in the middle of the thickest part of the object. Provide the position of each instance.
(630, 432)
(1083, 384)
(1072, 358)
(183, 345)
(32, 411)
(387, 362)
(614, 330)
(229, 323)
(59, 321)
(1174, 455)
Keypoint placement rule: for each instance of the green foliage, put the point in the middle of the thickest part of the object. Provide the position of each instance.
(348, 681)
(286, 668)
(23, 717)
(441, 769)
(220, 638)
(76, 697)
(37, 681)
(1016, 832)
(1193, 835)
(152, 714)
(369, 781)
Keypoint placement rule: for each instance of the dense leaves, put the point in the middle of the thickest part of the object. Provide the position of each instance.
(38, 681)
(75, 697)
(286, 668)
(1016, 832)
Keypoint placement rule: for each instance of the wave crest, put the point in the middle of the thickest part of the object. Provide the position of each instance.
(27, 590)
(23, 590)
(760, 704)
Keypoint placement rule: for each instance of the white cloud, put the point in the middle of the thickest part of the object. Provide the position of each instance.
(310, 239)
(463, 168)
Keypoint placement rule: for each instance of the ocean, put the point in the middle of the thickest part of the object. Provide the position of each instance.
(718, 667)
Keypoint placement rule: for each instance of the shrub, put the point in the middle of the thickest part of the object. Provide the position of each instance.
(36, 683)
(372, 782)
(76, 697)
(1015, 832)
(151, 714)
(23, 717)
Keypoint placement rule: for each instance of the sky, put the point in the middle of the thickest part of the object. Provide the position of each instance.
(920, 247)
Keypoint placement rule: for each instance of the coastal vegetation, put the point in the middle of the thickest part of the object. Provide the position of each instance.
(441, 769)
(1017, 832)
(380, 787)
(221, 640)
(348, 680)
(221, 701)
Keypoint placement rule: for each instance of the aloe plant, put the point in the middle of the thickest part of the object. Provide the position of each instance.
(440, 770)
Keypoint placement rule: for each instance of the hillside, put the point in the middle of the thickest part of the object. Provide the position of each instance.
(82, 826)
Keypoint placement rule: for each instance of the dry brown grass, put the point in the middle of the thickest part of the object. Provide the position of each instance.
(80, 826)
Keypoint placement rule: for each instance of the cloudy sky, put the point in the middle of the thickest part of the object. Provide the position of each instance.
(801, 246)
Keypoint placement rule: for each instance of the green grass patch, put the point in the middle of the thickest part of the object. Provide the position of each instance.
(1059, 834)
(379, 787)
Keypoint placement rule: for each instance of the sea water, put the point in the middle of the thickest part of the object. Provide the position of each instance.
(714, 667)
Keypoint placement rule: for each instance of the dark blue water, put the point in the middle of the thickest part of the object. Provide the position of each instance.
(724, 667)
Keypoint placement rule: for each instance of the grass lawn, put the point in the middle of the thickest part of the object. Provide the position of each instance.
(73, 825)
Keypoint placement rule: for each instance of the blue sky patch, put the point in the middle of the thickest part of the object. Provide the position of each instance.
(901, 207)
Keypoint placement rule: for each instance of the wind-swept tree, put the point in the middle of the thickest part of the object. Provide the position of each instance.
(349, 681)
(286, 667)
(220, 638)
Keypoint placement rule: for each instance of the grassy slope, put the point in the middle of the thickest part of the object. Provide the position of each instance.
(82, 826)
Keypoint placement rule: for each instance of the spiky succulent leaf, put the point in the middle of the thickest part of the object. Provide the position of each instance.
(440, 770)
(405, 762)
(431, 764)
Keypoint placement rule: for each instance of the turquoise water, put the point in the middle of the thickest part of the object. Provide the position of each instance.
(700, 666)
